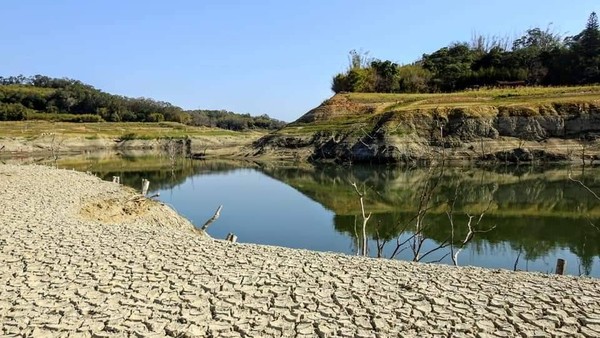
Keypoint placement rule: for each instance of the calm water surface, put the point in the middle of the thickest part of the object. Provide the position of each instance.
(537, 214)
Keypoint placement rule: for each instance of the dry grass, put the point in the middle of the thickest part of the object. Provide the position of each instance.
(134, 130)
(480, 101)
(504, 95)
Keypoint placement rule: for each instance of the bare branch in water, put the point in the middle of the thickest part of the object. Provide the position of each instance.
(365, 217)
(591, 192)
(584, 186)
(212, 219)
(517, 260)
(470, 234)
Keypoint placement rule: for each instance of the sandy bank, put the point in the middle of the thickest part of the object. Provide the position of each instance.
(82, 256)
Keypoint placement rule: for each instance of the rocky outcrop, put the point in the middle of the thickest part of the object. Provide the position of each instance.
(342, 130)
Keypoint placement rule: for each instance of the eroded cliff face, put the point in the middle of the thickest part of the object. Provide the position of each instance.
(344, 131)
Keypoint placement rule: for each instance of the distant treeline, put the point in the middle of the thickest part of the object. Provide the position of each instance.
(539, 57)
(233, 121)
(44, 98)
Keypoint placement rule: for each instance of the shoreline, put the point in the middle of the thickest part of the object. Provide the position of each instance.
(89, 257)
(38, 138)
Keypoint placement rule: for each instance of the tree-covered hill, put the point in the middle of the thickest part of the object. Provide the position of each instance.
(539, 57)
(44, 98)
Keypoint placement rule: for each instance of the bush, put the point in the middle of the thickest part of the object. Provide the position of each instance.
(89, 118)
(155, 117)
(13, 112)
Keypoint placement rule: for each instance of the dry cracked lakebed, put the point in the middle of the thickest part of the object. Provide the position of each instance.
(82, 257)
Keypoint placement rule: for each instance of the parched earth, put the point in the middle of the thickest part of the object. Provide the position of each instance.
(81, 257)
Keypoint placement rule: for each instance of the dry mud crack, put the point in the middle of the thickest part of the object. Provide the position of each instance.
(77, 260)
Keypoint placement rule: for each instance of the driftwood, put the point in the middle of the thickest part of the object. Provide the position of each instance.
(212, 219)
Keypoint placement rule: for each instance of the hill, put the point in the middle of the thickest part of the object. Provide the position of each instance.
(511, 124)
(43, 98)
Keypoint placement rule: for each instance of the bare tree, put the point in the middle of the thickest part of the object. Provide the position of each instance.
(364, 216)
(55, 146)
(457, 247)
(416, 241)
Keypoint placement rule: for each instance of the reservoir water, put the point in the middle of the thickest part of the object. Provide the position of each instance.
(531, 215)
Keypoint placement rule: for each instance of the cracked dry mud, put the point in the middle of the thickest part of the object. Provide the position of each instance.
(82, 257)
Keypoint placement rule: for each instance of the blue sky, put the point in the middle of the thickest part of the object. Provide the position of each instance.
(261, 56)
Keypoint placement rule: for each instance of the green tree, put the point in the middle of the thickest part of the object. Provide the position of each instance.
(386, 72)
(451, 67)
(586, 46)
(13, 112)
(413, 79)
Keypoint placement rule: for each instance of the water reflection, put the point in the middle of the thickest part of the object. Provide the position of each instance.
(538, 213)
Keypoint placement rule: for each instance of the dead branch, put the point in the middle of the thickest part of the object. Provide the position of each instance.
(592, 224)
(443, 245)
(517, 260)
(423, 207)
(364, 216)
(471, 229)
(584, 186)
(441, 258)
(398, 249)
(145, 186)
(416, 240)
(212, 219)
(450, 214)
(55, 148)
(467, 239)
(380, 243)
(591, 192)
(357, 238)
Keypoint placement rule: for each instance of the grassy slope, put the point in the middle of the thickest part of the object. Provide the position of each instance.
(364, 108)
(506, 96)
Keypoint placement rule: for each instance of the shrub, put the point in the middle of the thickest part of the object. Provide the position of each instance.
(13, 112)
